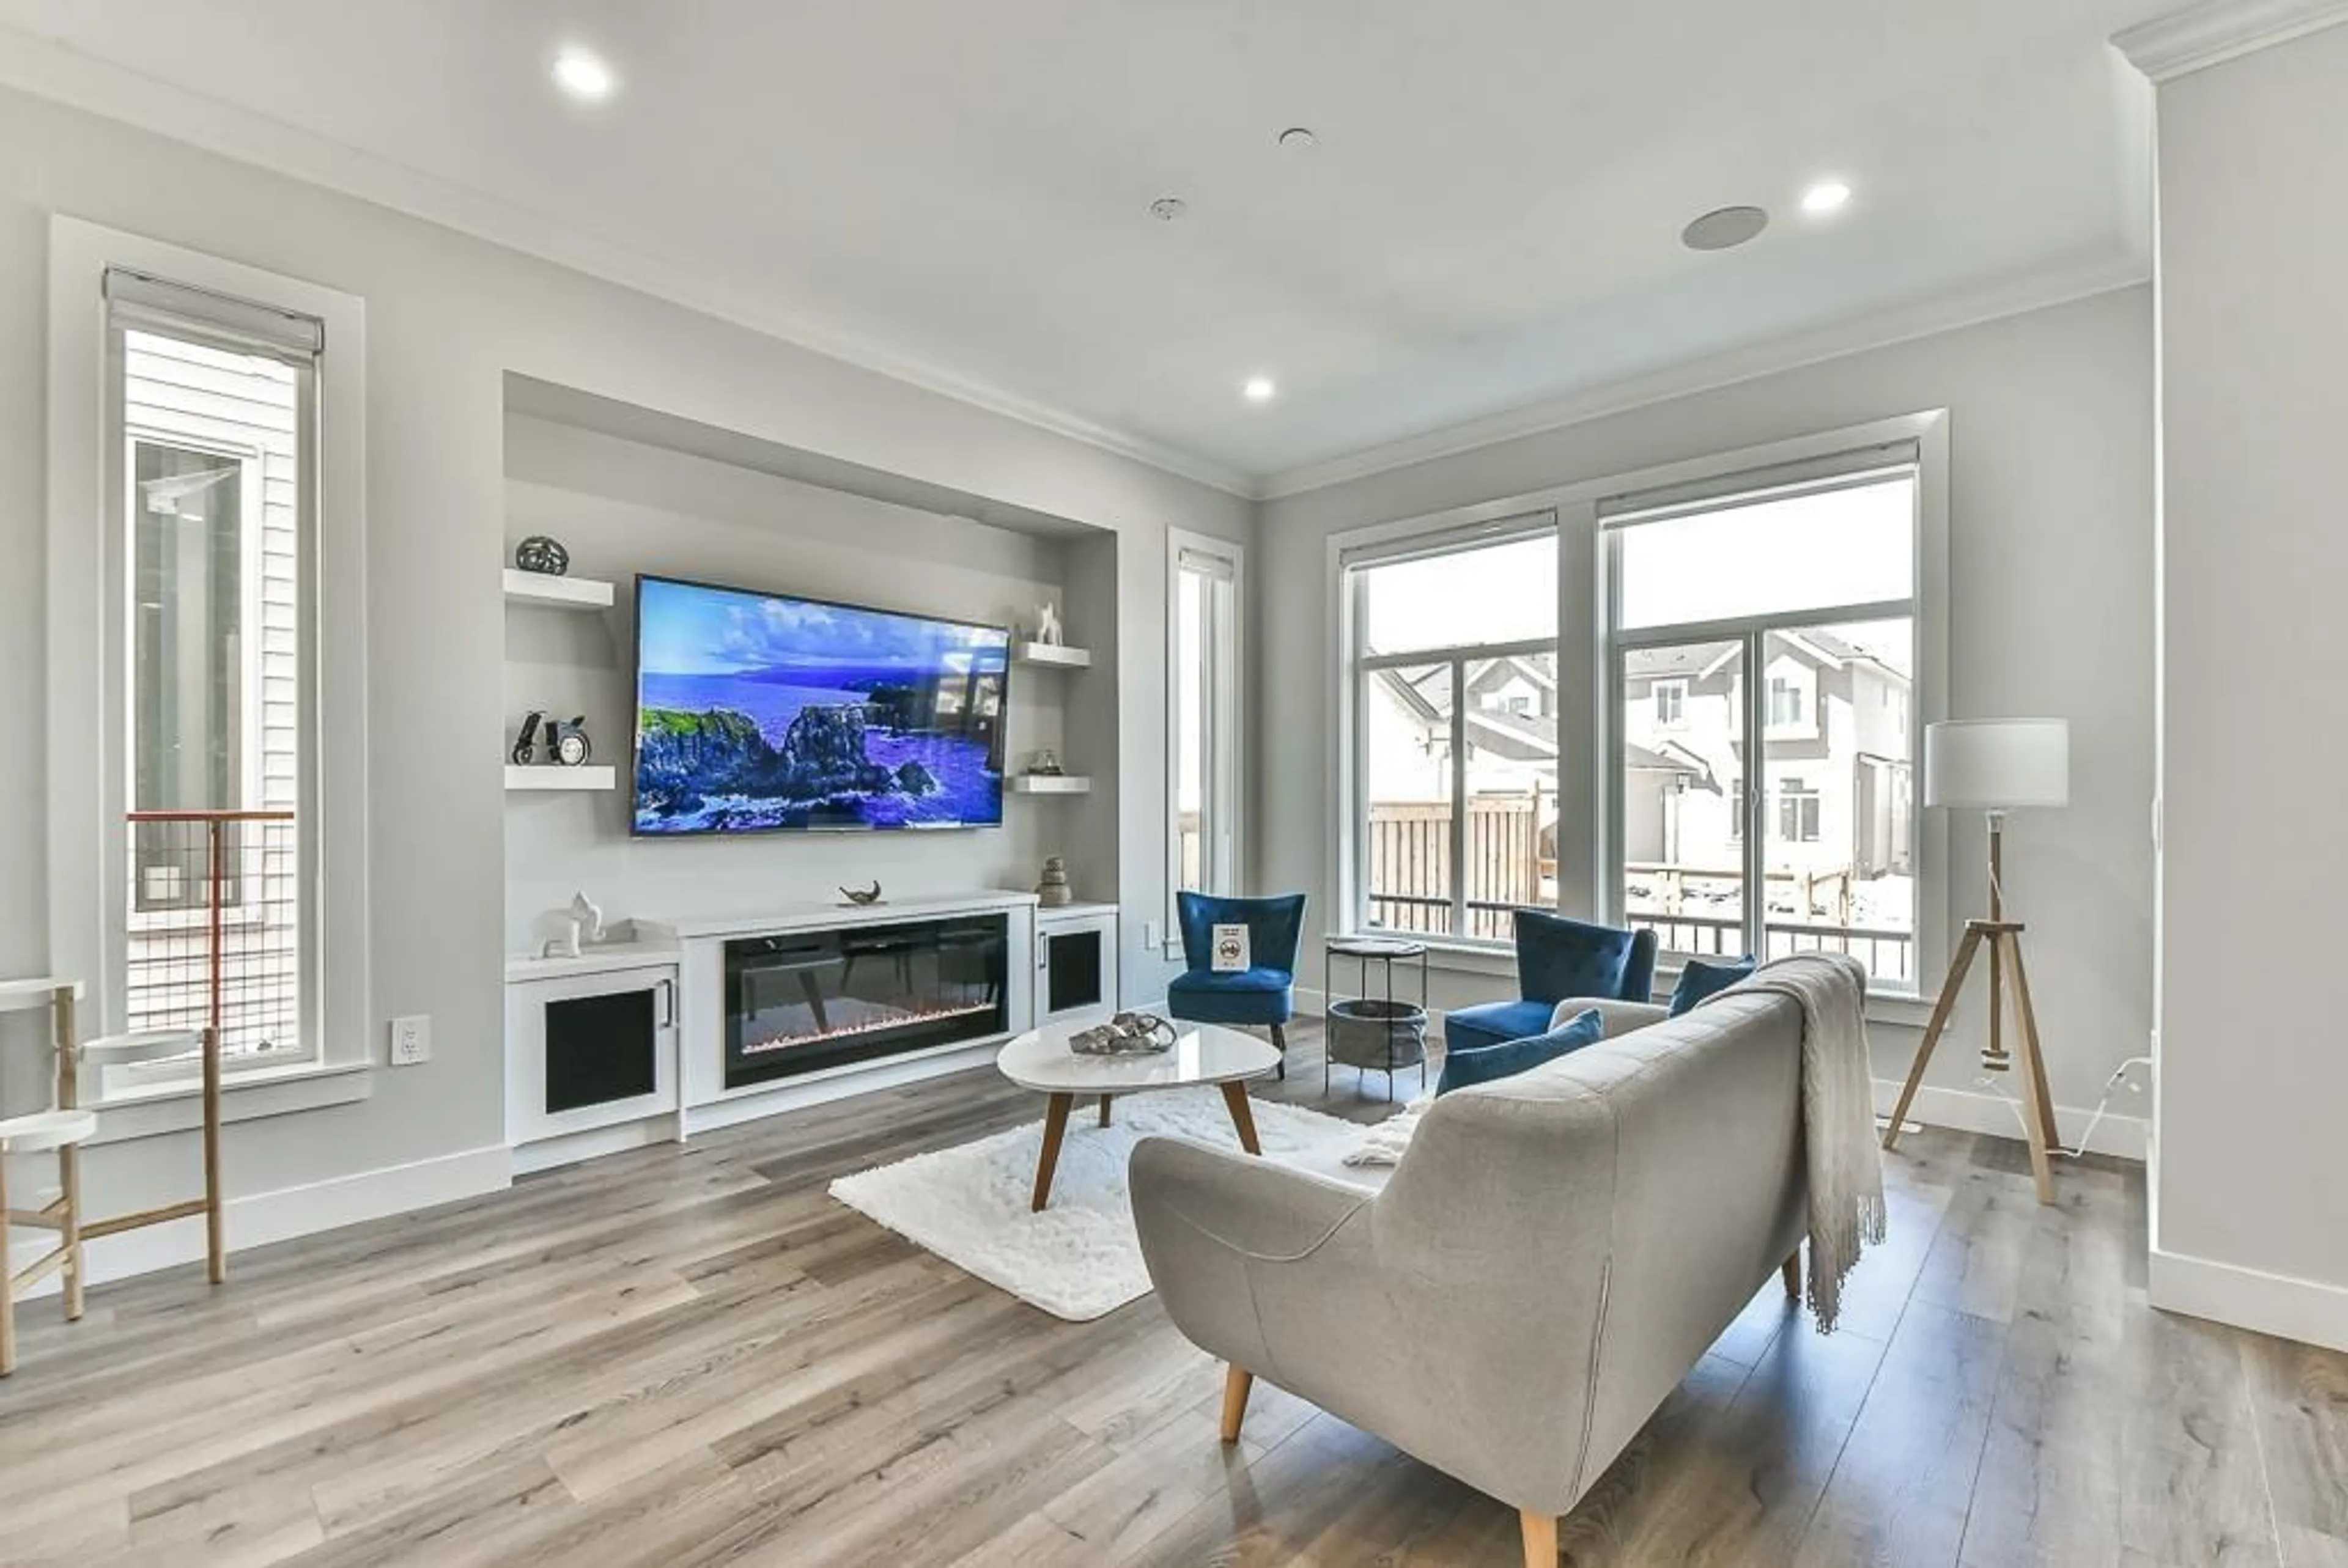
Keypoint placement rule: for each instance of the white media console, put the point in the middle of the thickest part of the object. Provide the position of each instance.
(699, 1023)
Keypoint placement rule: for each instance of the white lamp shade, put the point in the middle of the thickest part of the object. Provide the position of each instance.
(1997, 764)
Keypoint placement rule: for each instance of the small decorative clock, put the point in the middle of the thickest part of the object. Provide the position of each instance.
(569, 742)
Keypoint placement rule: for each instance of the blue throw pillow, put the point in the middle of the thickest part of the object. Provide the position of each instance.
(1491, 1063)
(1699, 979)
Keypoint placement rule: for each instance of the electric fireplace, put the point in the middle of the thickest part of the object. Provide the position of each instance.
(805, 1000)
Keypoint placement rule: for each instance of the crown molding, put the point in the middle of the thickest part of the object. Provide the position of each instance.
(2036, 290)
(2210, 34)
(41, 68)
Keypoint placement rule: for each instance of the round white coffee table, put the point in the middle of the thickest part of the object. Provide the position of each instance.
(1202, 1053)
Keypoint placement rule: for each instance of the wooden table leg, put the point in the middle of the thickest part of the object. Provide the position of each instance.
(1056, 1127)
(1103, 1110)
(1235, 1096)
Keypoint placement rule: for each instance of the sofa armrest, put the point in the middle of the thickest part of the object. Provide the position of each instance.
(1205, 1215)
(1618, 1017)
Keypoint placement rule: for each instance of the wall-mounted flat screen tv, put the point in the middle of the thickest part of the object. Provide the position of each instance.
(759, 712)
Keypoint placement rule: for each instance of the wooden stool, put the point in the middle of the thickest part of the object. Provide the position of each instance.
(62, 1130)
(78, 1063)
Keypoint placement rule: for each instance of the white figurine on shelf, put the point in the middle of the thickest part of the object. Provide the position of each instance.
(1047, 624)
(584, 921)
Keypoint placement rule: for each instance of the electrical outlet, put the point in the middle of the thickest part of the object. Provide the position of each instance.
(411, 1040)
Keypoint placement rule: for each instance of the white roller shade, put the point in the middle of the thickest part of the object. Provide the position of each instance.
(139, 299)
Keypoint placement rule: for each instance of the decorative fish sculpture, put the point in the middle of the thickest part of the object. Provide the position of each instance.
(862, 894)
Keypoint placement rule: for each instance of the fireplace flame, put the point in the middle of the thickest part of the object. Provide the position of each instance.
(896, 1018)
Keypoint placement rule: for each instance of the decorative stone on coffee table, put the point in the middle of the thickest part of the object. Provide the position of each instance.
(1201, 1054)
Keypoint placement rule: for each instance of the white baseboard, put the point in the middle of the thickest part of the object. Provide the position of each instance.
(1965, 1111)
(257, 1219)
(2274, 1304)
(569, 1148)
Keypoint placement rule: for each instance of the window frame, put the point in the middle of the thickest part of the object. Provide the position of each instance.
(1918, 443)
(1351, 560)
(1222, 718)
(88, 446)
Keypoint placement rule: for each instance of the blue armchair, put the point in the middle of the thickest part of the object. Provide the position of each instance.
(1262, 993)
(1557, 958)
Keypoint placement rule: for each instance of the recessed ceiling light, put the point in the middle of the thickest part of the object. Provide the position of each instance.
(1258, 389)
(1723, 227)
(583, 74)
(1825, 196)
(1167, 209)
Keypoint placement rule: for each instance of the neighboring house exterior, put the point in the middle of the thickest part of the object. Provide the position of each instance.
(1509, 832)
(1839, 794)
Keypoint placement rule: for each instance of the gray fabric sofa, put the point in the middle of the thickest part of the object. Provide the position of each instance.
(1548, 1260)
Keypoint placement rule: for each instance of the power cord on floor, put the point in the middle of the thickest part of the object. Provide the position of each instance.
(2111, 1086)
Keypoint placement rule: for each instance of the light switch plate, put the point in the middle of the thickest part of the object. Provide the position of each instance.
(411, 1040)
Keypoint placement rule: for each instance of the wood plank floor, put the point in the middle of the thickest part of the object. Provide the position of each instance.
(695, 1357)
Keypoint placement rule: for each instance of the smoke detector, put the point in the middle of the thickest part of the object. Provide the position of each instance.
(1167, 209)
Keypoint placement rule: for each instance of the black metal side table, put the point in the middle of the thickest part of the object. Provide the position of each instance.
(1374, 1033)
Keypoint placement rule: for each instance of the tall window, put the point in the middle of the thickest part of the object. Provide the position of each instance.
(1775, 813)
(1454, 698)
(1203, 750)
(211, 415)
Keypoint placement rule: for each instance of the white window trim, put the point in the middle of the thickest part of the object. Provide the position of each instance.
(86, 777)
(1928, 604)
(1446, 532)
(1584, 690)
(1179, 541)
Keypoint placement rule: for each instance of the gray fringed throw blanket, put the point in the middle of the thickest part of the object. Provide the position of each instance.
(1846, 1169)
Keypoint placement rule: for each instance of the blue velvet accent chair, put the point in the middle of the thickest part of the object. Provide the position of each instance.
(1557, 958)
(1264, 992)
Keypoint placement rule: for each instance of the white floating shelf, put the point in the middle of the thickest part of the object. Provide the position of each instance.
(1051, 653)
(1050, 784)
(557, 593)
(553, 775)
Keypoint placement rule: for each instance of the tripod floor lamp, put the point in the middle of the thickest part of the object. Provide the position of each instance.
(1996, 765)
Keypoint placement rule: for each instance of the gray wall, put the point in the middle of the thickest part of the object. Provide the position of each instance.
(2254, 335)
(2050, 612)
(447, 316)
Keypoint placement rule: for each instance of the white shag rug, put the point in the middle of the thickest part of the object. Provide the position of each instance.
(1080, 1257)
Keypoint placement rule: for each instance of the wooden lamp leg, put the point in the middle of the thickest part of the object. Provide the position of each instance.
(1958, 967)
(1540, 1538)
(2038, 1108)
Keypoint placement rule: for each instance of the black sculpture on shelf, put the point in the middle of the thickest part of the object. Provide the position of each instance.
(565, 743)
(543, 555)
(863, 895)
(525, 745)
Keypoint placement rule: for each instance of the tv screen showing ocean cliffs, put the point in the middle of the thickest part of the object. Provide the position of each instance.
(757, 712)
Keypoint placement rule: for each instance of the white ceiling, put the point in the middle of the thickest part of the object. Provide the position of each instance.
(959, 190)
